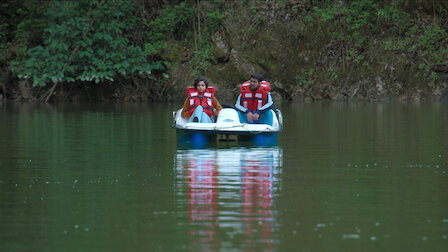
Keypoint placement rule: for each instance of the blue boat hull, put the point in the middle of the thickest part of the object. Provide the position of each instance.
(202, 139)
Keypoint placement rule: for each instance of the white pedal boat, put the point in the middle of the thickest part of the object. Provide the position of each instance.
(228, 127)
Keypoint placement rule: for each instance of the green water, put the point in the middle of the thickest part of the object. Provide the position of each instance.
(344, 177)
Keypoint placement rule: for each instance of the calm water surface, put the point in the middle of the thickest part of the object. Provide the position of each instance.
(344, 177)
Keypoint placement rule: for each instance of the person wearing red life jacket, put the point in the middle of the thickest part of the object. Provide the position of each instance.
(255, 100)
(201, 104)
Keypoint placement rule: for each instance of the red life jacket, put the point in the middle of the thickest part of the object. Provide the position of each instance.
(205, 100)
(254, 100)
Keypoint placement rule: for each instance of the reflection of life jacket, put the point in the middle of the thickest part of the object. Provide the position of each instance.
(205, 100)
(202, 193)
(255, 100)
(257, 184)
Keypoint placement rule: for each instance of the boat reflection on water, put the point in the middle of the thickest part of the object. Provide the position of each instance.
(228, 196)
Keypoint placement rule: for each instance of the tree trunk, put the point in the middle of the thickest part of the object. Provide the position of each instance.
(25, 90)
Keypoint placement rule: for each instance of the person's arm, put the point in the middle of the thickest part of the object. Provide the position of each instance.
(186, 110)
(269, 105)
(239, 107)
(216, 106)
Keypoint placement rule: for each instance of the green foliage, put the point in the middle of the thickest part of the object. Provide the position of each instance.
(394, 17)
(333, 75)
(214, 19)
(304, 77)
(180, 22)
(202, 58)
(431, 41)
(4, 26)
(424, 41)
(86, 41)
(169, 24)
(325, 14)
(355, 22)
(359, 21)
(98, 40)
(433, 51)
(21, 26)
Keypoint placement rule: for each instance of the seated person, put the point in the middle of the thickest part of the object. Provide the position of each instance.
(255, 100)
(201, 104)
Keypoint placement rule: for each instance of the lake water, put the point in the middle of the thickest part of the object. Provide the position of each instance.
(344, 177)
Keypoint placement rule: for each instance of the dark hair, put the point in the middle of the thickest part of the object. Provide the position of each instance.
(257, 76)
(199, 79)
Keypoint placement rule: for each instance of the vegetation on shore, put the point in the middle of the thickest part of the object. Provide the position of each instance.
(147, 50)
